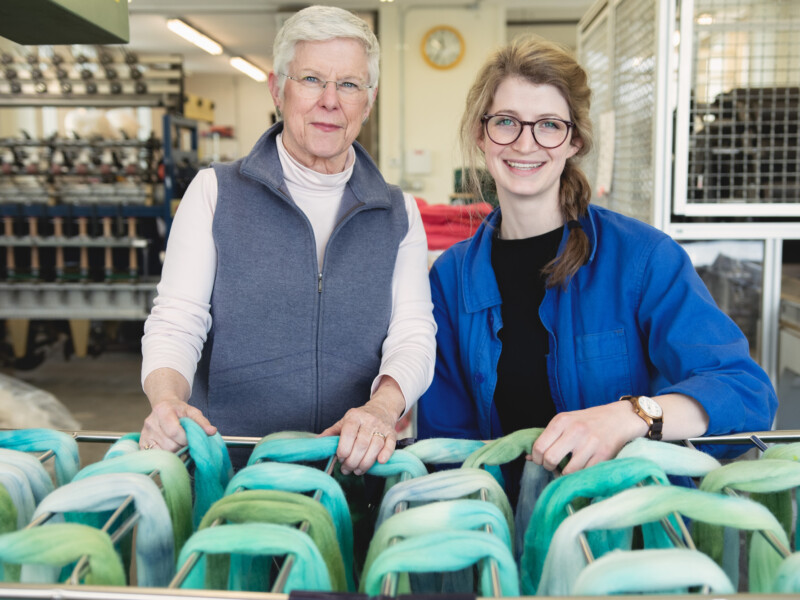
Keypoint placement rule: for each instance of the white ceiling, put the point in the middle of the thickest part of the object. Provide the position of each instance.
(247, 27)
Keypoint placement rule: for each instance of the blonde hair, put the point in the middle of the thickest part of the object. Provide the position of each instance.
(539, 62)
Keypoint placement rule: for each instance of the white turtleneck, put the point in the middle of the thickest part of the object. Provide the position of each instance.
(180, 319)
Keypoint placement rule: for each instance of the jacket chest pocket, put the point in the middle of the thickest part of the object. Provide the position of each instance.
(603, 366)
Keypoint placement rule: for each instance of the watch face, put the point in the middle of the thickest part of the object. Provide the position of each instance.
(650, 406)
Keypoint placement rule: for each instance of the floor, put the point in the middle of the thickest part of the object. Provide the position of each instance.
(101, 393)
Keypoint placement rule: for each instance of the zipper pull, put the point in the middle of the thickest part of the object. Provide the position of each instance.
(319, 283)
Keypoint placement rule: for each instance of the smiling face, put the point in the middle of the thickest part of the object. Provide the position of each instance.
(319, 131)
(524, 171)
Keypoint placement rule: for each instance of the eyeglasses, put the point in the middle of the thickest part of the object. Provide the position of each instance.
(547, 133)
(313, 87)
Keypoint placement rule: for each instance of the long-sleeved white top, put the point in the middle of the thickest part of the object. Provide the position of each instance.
(179, 322)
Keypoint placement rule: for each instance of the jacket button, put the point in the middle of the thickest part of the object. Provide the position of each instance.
(478, 377)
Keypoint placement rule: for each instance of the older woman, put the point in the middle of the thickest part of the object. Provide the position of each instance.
(294, 293)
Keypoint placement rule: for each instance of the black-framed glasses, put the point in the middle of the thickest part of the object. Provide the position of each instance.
(312, 86)
(547, 133)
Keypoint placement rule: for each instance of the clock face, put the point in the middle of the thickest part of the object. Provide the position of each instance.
(650, 406)
(443, 47)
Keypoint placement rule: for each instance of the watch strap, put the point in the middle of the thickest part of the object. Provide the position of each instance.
(654, 424)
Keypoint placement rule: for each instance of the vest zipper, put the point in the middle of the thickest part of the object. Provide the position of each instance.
(319, 283)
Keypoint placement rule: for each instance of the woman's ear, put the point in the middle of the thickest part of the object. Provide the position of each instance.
(575, 146)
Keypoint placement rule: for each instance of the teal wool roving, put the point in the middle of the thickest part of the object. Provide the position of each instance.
(446, 551)
(212, 467)
(301, 478)
(174, 481)
(262, 539)
(644, 505)
(124, 445)
(63, 446)
(294, 447)
(104, 492)
(61, 545)
(401, 462)
(598, 481)
(285, 508)
(37, 475)
(437, 451)
(787, 580)
(671, 570)
(442, 516)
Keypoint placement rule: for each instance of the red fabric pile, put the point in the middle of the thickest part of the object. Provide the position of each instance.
(446, 224)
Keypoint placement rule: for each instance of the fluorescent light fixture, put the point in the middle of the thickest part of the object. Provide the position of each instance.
(249, 69)
(192, 35)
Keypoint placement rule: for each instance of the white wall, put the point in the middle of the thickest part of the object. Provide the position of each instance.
(420, 106)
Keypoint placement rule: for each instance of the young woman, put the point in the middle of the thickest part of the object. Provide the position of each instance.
(563, 315)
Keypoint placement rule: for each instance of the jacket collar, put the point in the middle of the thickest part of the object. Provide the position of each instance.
(479, 284)
(263, 165)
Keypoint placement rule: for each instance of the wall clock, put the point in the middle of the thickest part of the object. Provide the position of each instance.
(443, 47)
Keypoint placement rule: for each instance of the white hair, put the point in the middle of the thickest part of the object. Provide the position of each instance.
(320, 24)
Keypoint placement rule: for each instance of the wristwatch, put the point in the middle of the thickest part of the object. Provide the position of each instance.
(649, 410)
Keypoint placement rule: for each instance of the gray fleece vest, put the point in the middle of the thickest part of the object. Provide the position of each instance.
(288, 349)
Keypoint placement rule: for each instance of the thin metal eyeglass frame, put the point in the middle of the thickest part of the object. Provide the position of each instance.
(485, 119)
(325, 82)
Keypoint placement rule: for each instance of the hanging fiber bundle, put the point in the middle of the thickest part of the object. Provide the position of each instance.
(783, 451)
(672, 458)
(104, 492)
(446, 485)
(672, 570)
(309, 572)
(301, 478)
(436, 451)
(401, 462)
(174, 480)
(598, 481)
(787, 581)
(37, 475)
(61, 545)
(446, 551)
(286, 508)
(505, 449)
(442, 516)
(124, 445)
(18, 487)
(63, 446)
(284, 448)
(644, 505)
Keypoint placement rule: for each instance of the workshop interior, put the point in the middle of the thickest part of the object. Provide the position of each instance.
(107, 115)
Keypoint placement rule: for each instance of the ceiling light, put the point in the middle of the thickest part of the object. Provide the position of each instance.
(190, 34)
(249, 69)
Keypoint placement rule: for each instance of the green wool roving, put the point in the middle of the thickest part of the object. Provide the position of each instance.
(645, 505)
(259, 539)
(301, 478)
(505, 449)
(442, 517)
(284, 508)
(671, 570)
(787, 580)
(783, 451)
(599, 481)
(672, 458)
(63, 446)
(106, 492)
(18, 486)
(8, 522)
(446, 551)
(212, 467)
(174, 481)
(61, 545)
(446, 485)
(38, 477)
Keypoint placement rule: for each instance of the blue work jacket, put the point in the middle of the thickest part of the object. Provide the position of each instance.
(635, 319)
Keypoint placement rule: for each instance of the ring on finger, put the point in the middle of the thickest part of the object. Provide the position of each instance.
(379, 434)
(150, 445)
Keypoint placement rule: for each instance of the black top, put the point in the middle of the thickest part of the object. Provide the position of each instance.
(522, 395)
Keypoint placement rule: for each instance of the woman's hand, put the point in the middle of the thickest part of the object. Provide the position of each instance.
(168, 393)
(591, 435)
(367, 433)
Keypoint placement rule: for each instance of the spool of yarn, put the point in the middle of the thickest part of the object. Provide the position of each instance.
(174, 481)
(598, 481)
(441, 516)
(446, 551)
(61, 545)
(644, 505)
(446, 485)
(673, 570)
(309, 573)
(286, 508)
(301, 478)
(104, 492)
(37, 475)
(63, 446)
